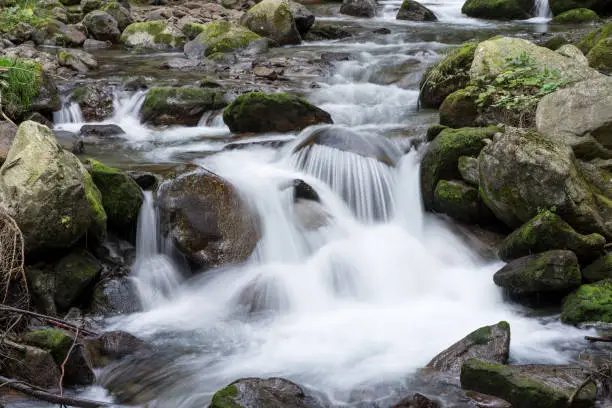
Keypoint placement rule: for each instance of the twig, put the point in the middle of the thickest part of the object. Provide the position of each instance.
(601, 339)
(570, 401)
(63, 365)
(48, 319)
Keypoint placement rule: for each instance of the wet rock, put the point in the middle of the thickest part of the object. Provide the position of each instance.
(145, 179)
(418, 401)
(600, 6)
(468, 168)
(599, 56)
(259, 112)
(599, 270)
(121, 198)
(303, 18)
(77, 60)
(460, 201)
(580, 117)
(87, 6)
(498, 10)
(321, 31)
(257, 392)
(447, 76)
(272, 19)
(358, 8)
(547, 231)
(39, 118)
(78, 371)
(41, 284)
(58, 207)
(91, 44)
(207, 220)
(121, 14)
(267, 73)
(442, 155)
(8, 131)
(530, 385)
(115, 296)
(489, 343)
(111, 346)
(304, 191)
(31, 364)
(54, 32)
(21, 33)
(100, 131)
(219, 36)
(96, 103)
(589, 303)
(486, 401)
(75, 275)
(157, 35)
(459, 109)
(102, 26)
(415, 11)
(310, 215)
(180, 106)
(571, 51)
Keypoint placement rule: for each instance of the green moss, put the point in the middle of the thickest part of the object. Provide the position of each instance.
(225, 398)
(600, 56)
(589, 303)
(223, 36)
(555, 42)
(19, 13)
(575, 16)
(157, 30)
(481, 336)
(95, 201)
(192, 30)
(459, 109)
(53, 340)
(239, 107)
(79, 94)
(495, 9)
(20, 85)
(588, 42)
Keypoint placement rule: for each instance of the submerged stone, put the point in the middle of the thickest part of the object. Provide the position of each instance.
(257, 392)
(180, 106)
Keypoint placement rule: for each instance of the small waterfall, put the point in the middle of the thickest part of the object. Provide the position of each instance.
(70, 113)
(542, 9)
(127, 105)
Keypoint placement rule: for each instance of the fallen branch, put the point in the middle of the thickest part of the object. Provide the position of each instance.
(572, 397)
(39, 394)
(600, 339)
(54, 320)
(63, 365)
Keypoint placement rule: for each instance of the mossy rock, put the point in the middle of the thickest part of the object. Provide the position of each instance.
(497, 9)
(587, 42)
(119, 13)
(441, 158)
(459, 109)
(121, 198)
(542, 386)
(576, 16)
(102, 26)
(433, 131)
(258, 392)
(260, 112)
(158, 35)
(468, 168)
(554, 43)
(75, 275)
(272, 19)
(600, 56)
(599, 270)
(589, 303)
(219, 37)
(547, 231)
(450, 74)
(87, 6)
(192, 30)
(602, 7)
(460, 201)
(415, 11)
(180, 106)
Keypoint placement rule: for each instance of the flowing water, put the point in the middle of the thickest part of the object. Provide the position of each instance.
(349, 296)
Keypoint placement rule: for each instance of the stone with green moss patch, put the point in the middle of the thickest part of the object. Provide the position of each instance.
(599, 270)
(460, 201)
(603, 7)
(600, 56)
(54, 340)
(459, 109)
(119, 13)
(225, 398)
(258, 392)
(555, 42)
(272, 19)
(158, 35)
(576, 16)
(180, 106)
(102, 26)
(587, 42)
(219, 36)
(497, 9)
(75, 275)
(589, 303)
(415, 11)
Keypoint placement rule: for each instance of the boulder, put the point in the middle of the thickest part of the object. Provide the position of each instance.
(555, 42)
(489, 343)
(180, 106)
(78, 371)
(41, 284)
(257, 392)
(576, 16)
(94, 132)
(459, 109)
(102, 26)
(115, 296)
(415, 11)
(604, 7)
(522, 173)
(219, 36)
(593, 37)
(260, 112)
(207, 220)
(468, 168)
(55, 32)
(589, 303)
(548, 273)
(534, 385)
(599, 270)
(121, 198)
(272, 19)
(8, 130)
(460, 201)
(600, 55)
(31, 364)
(157, 35)
(447, 76)
(440, 160)
(359, 8)
(49, 193)
(547, 231)
(87, 6)
(580, 117)
(304, 19)
(121, 15)
(111, 346)
(74, 277)
(95, 101)
(571, 51)
(77, 60)
(498, 9)
(146, 180)
(90, 44)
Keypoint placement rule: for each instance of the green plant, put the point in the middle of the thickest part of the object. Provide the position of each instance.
(19, 85)
(22, 11)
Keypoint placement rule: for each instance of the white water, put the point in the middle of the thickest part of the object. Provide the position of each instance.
(543, 9)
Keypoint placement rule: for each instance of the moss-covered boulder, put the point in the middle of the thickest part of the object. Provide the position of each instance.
(460, 201)
(121, 15)
(587, 42)
(468, 168)
(75, 275)
(442, 155)
(589, 303)
(358, 8)
(219, 36)
(78, 371)
(555, 42)
(272, 19)
(576, 16)
(31, 364)
(547, 231)
(55, 32)
(534, 385)
(121, 198)
(102, 26)
(77, 60)
(603, 7)
(571, 51)
(489, 343)
(258, 392)
(260, 112)
(599, 270)
(600, 56)
(415, 11)
(522, 173)
(180, 106)
(459, 109)
(157, 35)
(450, 74)
(87, 6)
(49, 193)
(498, 9)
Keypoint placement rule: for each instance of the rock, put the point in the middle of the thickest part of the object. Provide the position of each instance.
(599, 270)
(265, 72)
(272, 19)
(30, 364)
(75, 275)
(87, 6)
(78, 60)
(41, 284)
(447, 76)
(121, 198)
(115, 296)
(60, 14)
(95, 101)
(100, 131)
(49, 193)
(599, 56)
(530, 385)
(180, 106)
(207, 220)
(571, 51)
(8, 131)
(111, 346)
(600, 6)
(547, 231)
(102, 26)
(157, 35)
(219, 36)
(257, 392)
(55, 32)
(90, 44)
(119, 13)
(418, 401)
(468, 168)
(459, 109)
(433, 131)
(38, 118)
(440, 160)
(77, 370)
(593, 37)
(320, 31)
(548, 273)
(555, 42)
(579, 116)
(259, 112)
(522, 172)
(489, 343)
(303, 18)
(460, 201)
(498, 10)
(146, 180)
(576, 16)
(589, 303)
(415, 11)
(21, 33)
(359, 8)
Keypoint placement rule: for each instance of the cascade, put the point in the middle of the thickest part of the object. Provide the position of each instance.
(542, 9)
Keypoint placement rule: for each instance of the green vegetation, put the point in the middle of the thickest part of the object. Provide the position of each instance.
(19, 85)
(495, 9)
(225, 398)
(590, 303)
(576, 16)
(223, 36)
(21, 12)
